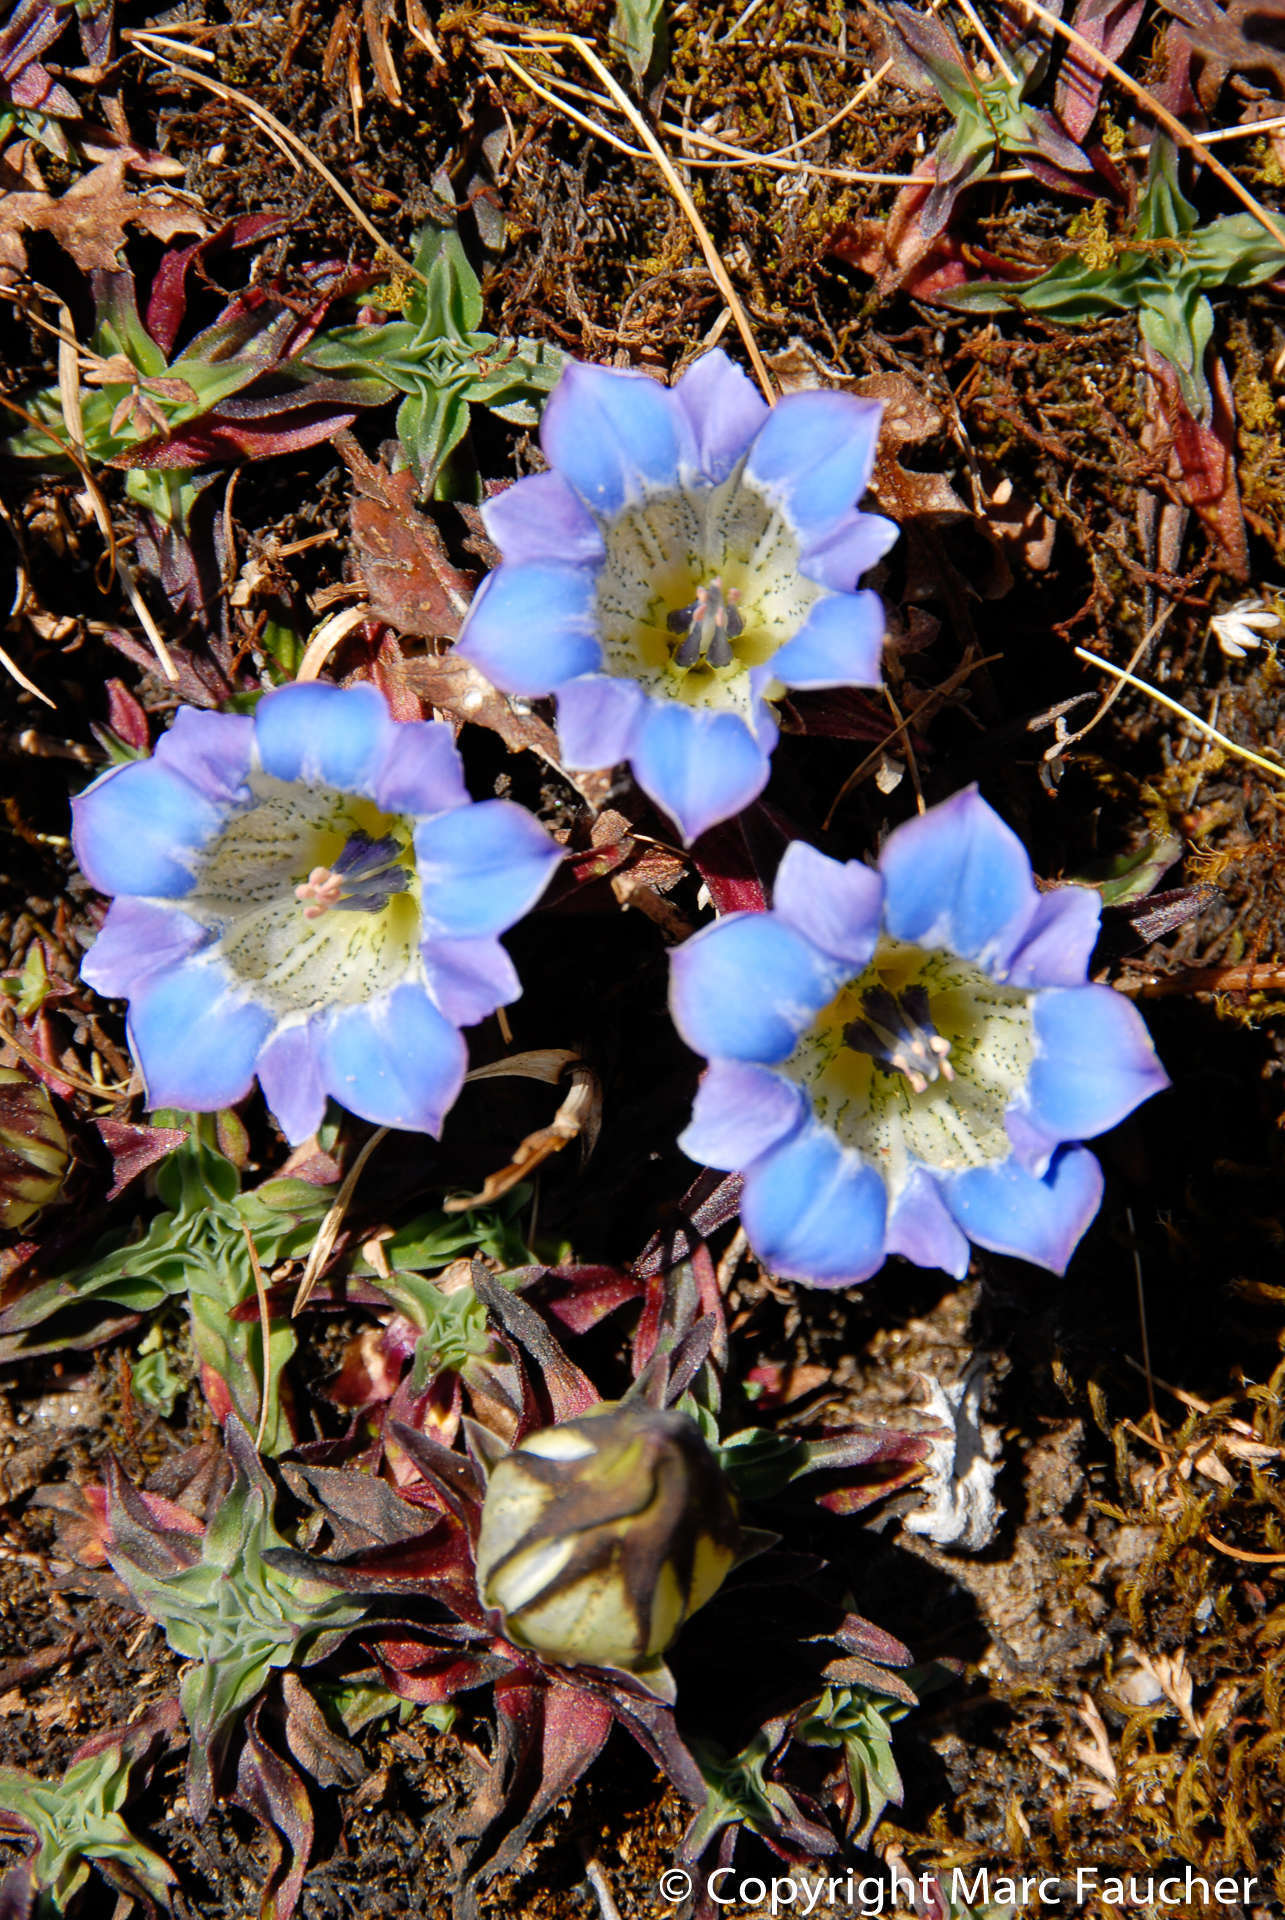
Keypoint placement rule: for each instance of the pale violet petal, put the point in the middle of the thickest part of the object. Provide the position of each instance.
(740, 1110)
(724, 409)
(598, 718)
(543, 519)
(613, 435)
(840, 644)
(469, 978)
(211, 751)
(139, 938)
(141, 829)
(290, 1075)
(1094, 1062)
(814, 457)
(745, 988)
(856, 544)
(957, 877)
(532, 627)
(327, 736)
(1010, 1211)
(920, 1228)
(699, 767)
(396, 1061)
(195, 1036)
(813, 1211)
(1058, 944)
(481, 867)
(836, 904)
(421, 772)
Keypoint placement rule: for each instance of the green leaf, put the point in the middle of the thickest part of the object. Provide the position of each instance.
(636, 27)
(429, 426)
(449, 301)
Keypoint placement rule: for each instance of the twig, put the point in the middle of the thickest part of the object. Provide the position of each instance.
(1142, 1322)
(329, 1230)
(1184, 713)
(713, 260)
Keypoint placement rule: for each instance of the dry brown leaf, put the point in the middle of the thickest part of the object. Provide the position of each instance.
(410, 584)
(578, 1118)
(90, 219)
(1169, 1671)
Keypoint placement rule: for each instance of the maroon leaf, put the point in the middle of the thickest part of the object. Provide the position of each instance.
(582, 1296)
(570, 1392)
(126, 718)
(135, 1149)
(1109, 25)
(167, 297)
(269, 1788)
(726, 865)
(709, 1203)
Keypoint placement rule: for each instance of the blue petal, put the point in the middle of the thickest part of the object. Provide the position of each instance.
(745, 988)
(1033, 1146)
(140, 829)
(598, 717)
(1094, 1062)
(290, 1075)
(196, 1037)
(1058, 944)
(396, 1061)
(532, 627)
(612, 435)
(324, 736)
(542, 519)
(139, 938)
(815, 456)
(481, 867)
(813, 1211)
(211, 751)
(700, 767)
(837, 905)
(856, 544)
(840, 644)
(921, 1229)
(421, 772)
(740, 1111)
(724, 409)
(470, 978)
(1010, 1211)
(957, 877)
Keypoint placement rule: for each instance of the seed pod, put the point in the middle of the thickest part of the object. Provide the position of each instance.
(33, 1148)
(601, 1536)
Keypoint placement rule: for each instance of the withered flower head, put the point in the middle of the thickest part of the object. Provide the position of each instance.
(601, 1536)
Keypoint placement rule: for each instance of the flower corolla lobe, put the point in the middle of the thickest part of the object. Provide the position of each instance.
(308, 895)
(904, 1059)
(602, 1535)
(691, 555)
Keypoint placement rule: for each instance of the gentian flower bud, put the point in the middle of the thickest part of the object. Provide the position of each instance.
(601, 1536)
(33, 1148)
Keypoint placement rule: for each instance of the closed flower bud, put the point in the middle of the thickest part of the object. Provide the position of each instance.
(33, 1148)
(601, 1536)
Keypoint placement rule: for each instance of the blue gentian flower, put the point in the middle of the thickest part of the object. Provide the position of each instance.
(691, 555)
(901, 1058)
(311, 896)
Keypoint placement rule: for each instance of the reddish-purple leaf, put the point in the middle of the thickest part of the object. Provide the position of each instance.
(135, 1149)
(269, 1788)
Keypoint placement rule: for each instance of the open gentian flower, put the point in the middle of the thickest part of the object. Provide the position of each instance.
(311, 896)
(691, 555)
(899, 1057)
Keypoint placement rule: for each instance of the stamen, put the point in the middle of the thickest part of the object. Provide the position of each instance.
(710, 623)
(364, 878)
(899, 1036)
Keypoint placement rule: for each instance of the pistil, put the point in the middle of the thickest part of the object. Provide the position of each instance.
(709, 623)
(363, 879)
(898, 1034)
